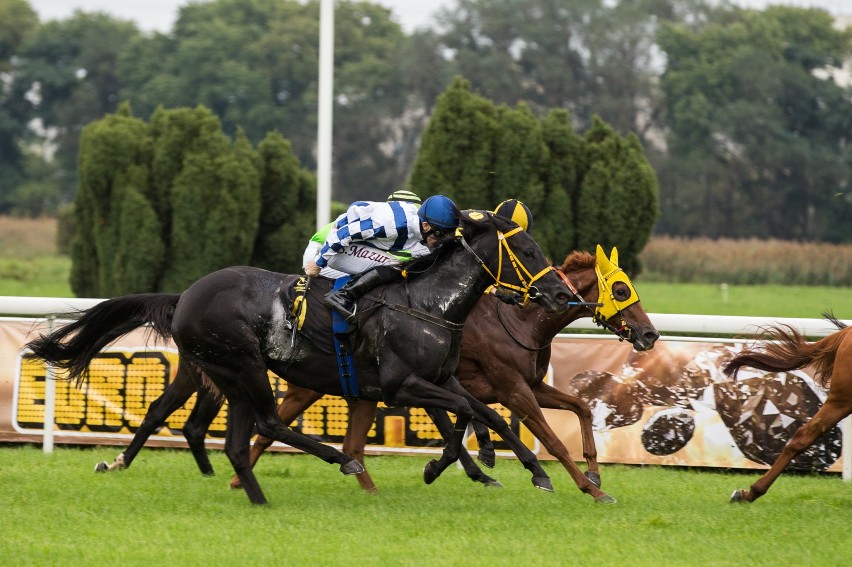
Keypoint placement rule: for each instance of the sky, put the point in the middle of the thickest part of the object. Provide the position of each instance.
(159, 15)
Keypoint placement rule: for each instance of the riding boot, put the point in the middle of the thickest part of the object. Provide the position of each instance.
(343, 300)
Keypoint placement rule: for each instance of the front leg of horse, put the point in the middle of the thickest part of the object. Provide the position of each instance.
(117, 465)
(492, 419)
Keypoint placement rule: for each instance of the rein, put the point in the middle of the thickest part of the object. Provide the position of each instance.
(417, 314)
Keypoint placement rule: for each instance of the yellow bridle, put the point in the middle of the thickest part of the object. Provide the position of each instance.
(526, 278)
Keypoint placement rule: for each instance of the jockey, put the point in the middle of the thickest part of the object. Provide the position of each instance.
(516, 211)
(381, 235)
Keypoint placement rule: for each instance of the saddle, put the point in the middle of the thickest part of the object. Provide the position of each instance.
(326, 329)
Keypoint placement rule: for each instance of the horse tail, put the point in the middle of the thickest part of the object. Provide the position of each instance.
(787, 349)
(73, 346)
(837, 322)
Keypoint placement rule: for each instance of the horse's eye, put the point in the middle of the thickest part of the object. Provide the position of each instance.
(529, 253)
(621, 292)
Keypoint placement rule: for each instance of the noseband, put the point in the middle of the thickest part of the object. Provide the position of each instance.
(527, 290)
(623, 331)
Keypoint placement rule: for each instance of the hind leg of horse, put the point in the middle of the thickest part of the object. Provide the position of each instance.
(295, 401)
(827, 417)
(362, 414)
(492, 419)
(237, 436)
(173, 397)
(445, 426)
(207, 406)
(548, 397)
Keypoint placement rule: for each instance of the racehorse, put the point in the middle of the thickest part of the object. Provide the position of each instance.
(233, 326)
(787, 349)
(504, 358)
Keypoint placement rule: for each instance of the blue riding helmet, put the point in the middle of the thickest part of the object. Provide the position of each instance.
(440, 212)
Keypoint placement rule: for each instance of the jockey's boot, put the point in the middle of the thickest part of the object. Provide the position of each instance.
(343, 300)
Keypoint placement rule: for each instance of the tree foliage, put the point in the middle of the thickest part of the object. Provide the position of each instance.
(162, 204)
(759, 128)
(582, 190)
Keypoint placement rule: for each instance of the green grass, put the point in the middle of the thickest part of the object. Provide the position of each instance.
(43, 276)
(757, 301)
(56, 511)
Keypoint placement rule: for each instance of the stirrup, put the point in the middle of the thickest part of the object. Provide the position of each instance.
(339, 303)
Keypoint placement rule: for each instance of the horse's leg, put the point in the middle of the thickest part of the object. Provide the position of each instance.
(237, 436)
(445, 426)
(548, 397)
(527, 405)
(294, 402)
(415, 391)
(243, 378)
(486, 454)
(493, 420)
(832, 411)
(207, 406)
(362, 414)
(173, 397)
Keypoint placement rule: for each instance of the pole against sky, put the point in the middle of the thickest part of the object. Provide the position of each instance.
(160, 15)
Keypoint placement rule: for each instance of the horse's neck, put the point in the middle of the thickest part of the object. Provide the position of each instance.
(451, 288)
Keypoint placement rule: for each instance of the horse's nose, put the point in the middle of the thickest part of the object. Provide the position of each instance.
(562, 298)
(650, 338)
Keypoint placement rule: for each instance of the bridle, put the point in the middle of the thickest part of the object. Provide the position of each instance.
(526, 288)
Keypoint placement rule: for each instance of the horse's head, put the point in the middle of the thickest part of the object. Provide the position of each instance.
(512, 259)
(618, 307)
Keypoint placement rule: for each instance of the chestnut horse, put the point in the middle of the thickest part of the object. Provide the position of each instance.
(787, 349)
(234, 326)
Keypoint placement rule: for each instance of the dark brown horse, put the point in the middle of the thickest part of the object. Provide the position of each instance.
(504, 358)
(787, 349)
(233, 326)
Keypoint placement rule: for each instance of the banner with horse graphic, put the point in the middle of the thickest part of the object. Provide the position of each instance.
(670, 406)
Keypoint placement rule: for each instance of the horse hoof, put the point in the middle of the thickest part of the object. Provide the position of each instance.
(594, 477)
(605, 499)
(487, 458)
(493, 484)
(103, 466)
(739, 495)
(543, 483)
(430, 472)
(351, 467)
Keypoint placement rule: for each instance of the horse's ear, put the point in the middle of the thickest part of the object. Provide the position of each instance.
(603, 262)
(613, 257)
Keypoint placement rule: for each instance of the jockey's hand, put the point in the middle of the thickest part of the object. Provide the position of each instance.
(311, 269)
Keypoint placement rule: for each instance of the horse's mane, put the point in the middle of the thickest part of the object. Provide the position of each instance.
(577, 260)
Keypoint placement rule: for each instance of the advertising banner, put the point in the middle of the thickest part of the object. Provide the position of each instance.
(669, 406)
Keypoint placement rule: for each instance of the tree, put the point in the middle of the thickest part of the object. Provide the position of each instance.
(254, 64)
(759, 129)
(68, 70)
(582, 190)
(17, 22)
(162, 204)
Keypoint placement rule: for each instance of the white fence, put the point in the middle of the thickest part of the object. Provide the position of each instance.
(45, 307)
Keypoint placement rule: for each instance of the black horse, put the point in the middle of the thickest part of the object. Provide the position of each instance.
(233, 326)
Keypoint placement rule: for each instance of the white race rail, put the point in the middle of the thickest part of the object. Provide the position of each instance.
(706, 324)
